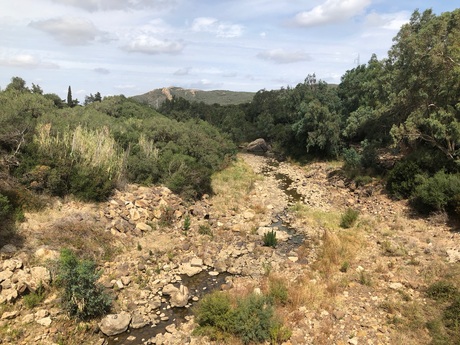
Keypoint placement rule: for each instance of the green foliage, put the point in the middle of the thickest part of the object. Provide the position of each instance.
(34, 298)
(186, 225)
(251, 319)
(442, 290)
(452, 315)
(277, 291)
(82, 296)
(6, 208)
(351, 158)
(402, 179)
(349, 218)
(205, 230)
(270, 239)
(438, 193)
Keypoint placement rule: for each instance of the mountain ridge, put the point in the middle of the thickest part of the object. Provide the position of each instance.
(222, 97)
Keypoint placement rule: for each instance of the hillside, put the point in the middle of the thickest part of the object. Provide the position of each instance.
(223, 97)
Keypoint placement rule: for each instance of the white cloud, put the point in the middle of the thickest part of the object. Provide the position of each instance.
(216, 27)
(101, 70)
(69, 30)
(151, 45)
(331, 11)
(388, 21)
(183, 71)
(205, 84)
(281, 56)
(26, 61)
(106, 5)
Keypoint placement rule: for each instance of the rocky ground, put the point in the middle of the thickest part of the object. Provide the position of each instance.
(368, 296)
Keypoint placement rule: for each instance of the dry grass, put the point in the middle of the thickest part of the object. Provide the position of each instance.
(232, 185)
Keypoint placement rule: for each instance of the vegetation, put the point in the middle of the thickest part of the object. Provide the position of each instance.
(349, 218)
(82, 296)
(250, 318)
(270, 239)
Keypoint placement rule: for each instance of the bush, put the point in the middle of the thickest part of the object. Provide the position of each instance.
(5, 207)
(402, 180)
(442, 290)
(82, 296)
(270, 239)
(452, 314)
(251, 318)
(278, 291)
(34, 298)
(352, 159)
(349, 218)
(438, 193)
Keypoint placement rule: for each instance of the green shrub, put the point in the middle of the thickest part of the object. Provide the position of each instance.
(452, 314)
(438, 193)
(349, 218)
(278, 291)
(270, 239)
(251, 318)
(441, 290)
(82, 296)
(6, 208)
(352, 159)
(34, 298)
(205, 230)
(402, 179)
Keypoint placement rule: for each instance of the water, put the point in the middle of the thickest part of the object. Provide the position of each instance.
(198, 285)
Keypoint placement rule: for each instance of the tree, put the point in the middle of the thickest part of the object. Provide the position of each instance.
(37, 89)
(17, 84)
(69, 98)
(424, 64)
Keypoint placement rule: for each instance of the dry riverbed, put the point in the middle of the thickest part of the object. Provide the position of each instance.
(362, 285)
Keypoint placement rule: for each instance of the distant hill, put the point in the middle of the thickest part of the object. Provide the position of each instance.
(223, 97)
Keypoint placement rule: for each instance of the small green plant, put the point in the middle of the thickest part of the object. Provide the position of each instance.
(270, 239)
(35, 298)
(186, 226)
(365, 278)
(345, 266)
(167, 216)
(139, 247)
(205, 230)
(82, 296)
(349, 218)
(278, 291)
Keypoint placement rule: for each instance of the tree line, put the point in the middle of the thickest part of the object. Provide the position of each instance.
(405, 106)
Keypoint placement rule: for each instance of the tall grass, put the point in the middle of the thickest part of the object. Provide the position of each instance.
(81, 146)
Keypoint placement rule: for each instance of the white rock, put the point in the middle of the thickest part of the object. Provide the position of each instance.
(46, 321)
(114, 324)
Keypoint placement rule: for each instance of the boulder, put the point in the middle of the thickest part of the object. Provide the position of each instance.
(180, 298)
(258, 146)
(189, 270)
(114, 324)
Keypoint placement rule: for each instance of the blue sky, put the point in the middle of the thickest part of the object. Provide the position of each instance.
(133, 46)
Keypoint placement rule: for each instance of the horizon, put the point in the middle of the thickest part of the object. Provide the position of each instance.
(133, 47)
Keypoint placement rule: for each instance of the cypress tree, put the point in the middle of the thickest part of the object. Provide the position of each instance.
(69, 97)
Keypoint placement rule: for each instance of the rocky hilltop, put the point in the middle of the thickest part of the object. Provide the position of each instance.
(223, 97)
(346, 286)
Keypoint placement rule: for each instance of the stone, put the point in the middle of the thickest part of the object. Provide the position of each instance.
(46, 254)
(138, 321)
(189, 270)
(143, 227)
(8, 315)
(180, 298)
(395, 286)
(39, 276)
(258, 146)
(46, 321)
(114, 324)
(12, 264)
(169, 289)
(196, 262)
(8, 249)
(4, 275)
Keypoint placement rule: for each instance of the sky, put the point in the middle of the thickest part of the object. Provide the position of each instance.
(130, 47)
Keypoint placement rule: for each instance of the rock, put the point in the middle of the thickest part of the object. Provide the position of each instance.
(196, 262)
(138, 321)
(46, 321)
(8, 249)
(46, 254)
(12, 264)
(248, 215)
(114, 324)
(39, 276)
(189, 270)
(40, 314)
(258, 146)
(281, 236)
(8, 315)
(143, 227)
(395, 286)
(180, 298)
(169, 289)
(4, 275)
(453, 255)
